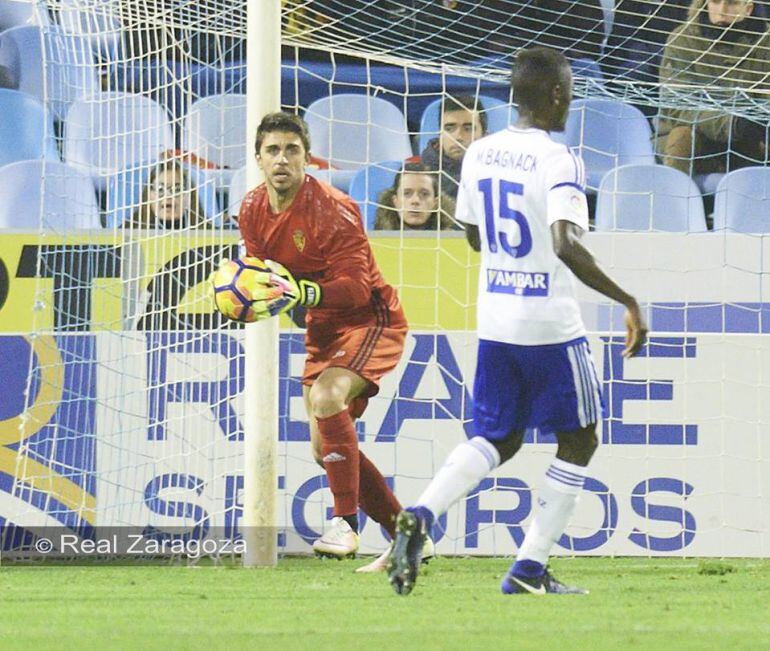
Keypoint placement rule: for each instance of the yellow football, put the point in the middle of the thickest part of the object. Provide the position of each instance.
(236, 283)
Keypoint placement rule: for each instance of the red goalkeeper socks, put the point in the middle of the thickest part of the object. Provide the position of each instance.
(353, 478)
(339, 447)
(375, 496)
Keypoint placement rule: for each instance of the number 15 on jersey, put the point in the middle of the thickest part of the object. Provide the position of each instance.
(508, 194)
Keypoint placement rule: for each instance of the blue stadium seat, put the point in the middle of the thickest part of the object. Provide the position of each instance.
(340, 179)
(368, 183)
(99, 26)
(742, 201)
(215, 130)
(225, 77)
(124, 193)
(14, 13)
(499, 115)
(352, 131)
(649, 198)
(175, 84)
(607, 134)
(26, 132)
(109, 132)
(51, 65)
(164, 80)
(46, 194)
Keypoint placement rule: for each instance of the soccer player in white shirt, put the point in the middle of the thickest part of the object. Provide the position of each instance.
(523, 201)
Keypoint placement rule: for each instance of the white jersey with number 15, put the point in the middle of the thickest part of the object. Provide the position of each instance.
(514, 185)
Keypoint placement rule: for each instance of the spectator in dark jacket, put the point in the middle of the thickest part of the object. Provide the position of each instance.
(462, 121)
(413, 203)
(720, 51)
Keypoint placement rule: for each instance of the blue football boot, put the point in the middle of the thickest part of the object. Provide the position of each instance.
(543, 584)
(405, 558)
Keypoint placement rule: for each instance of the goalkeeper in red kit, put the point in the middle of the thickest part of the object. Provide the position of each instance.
(311, 236)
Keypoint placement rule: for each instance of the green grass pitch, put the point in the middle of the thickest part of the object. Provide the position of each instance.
(310, 604)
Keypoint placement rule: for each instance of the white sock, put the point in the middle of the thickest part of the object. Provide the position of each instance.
(463, 469)
(556, 502)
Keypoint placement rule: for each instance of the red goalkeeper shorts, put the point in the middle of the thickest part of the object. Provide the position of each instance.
(368, 352)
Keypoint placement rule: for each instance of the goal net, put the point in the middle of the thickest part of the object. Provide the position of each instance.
(125, 399)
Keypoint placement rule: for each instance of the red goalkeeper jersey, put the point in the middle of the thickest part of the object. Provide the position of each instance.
(320, 237)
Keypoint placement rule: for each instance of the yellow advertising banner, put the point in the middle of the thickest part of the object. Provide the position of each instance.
(96, 282)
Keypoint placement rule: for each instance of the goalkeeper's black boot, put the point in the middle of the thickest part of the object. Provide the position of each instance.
(544, 584)
(407, 552)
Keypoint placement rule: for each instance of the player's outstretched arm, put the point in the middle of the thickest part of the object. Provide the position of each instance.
(570, 250)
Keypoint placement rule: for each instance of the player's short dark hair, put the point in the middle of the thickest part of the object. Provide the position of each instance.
(463, 103)
(535, 72)
(285, 123)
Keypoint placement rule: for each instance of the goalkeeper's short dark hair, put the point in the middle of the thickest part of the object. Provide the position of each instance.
(285, 123)
(463, 103)
(535, 72)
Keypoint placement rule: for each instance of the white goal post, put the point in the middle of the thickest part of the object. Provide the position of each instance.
(263, 95)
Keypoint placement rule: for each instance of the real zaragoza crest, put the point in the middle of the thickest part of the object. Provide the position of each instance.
(299, 240)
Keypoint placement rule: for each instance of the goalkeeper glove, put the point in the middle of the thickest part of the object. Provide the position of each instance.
(302, 292)
(266, 308)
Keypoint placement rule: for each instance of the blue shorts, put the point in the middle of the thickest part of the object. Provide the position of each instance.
(553, 388)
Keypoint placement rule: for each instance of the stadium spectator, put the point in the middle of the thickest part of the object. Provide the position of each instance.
(639, 32)
(462, 121)
(721, 47)
(169, 201)
(413, 202)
